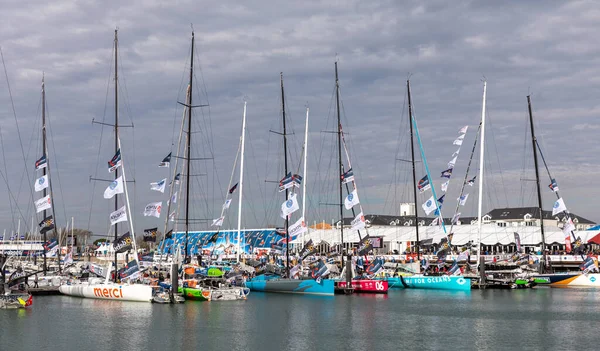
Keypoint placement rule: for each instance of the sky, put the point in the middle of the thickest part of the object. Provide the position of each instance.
(446, 48)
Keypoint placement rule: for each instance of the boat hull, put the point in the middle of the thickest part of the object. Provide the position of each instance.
(365, 286)
(292, 286)
(195, 294)
(443, 282)
(115, 292)
(566, 280)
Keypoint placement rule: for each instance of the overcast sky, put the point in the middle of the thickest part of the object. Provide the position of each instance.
(520, 47)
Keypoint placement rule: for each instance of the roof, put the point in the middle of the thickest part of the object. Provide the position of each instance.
(375, 219)
(518, 213)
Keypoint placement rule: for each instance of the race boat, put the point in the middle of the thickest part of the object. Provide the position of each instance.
(276, 284)
(568, 280)
(109, 291)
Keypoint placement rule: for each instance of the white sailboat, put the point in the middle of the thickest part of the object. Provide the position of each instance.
(121, 288)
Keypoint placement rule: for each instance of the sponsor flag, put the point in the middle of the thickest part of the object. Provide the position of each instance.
(423, 184)
(365, 246)
(297, 228)
(308, 249)
(131, 271)
(218, 222)
(351, 200)
(518, 241)
(452, 162)
(213, 238)
(51, 245)
(463, 130)
(429, 205)
(295, 271)
(447, 173)
(115, 187)
(435, 221)
(119, 215)
(424, 264)
(289, 206)
(174, 198)
(464, 256)
(559, 206)
(166, 162)
(286, 182)
(41, 163)
(115, 162)
(150, 234)
(458, 141)
(553, 185)
(471, 182)
(43, 204)
(348, 176)
(455, 269)
(358, 223)
(577, 246)
(445, 185)
(41, 183)
(319, 270)
(177, 178)
(455, 218)
(374, 268)
(297, 180)
(123, 243)
(463, 199)
(46, 224)
(233, 188)
(227, 204)
(68, 258)
(153, 209)
(159, 186)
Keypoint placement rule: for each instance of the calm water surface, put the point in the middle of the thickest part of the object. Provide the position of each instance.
(536, 319)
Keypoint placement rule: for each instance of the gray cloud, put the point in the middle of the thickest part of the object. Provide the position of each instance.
(519, 46)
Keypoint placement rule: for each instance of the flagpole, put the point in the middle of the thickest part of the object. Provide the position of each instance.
(239, 224)
(304, 173)
(481, 165)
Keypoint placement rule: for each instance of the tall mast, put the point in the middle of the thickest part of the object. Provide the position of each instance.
(340, 162)
(304, 171)
(241, 185)
(45, 268)
(116, 135)
(188, 152)
(414, 176)
(285, 162)
(537, 180)
(481, 166)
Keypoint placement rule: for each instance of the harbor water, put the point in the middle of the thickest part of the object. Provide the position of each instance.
(534, 319)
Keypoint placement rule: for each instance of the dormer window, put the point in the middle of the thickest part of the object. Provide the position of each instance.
(527, 217)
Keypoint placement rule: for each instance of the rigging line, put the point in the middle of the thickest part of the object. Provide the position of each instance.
(16, 122)
(498, 160)
(55, 158)
(97, 163)
(262, 196)
(12, 214)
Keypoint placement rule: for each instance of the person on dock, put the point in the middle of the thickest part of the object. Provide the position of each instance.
(35, 281)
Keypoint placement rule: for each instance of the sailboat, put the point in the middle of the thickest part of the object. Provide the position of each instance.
(590, 276)
(420, 281)
(120, 289)
(314, 285)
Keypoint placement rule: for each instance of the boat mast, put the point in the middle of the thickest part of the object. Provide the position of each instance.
(340, 162)
(304, 171)
(537, 182)
(116, 137)
(481, 165)
(285, 162)
(188, 153)
(414, 176)
(241, 185)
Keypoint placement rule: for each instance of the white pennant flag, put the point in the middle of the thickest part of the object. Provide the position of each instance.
(115, 187)
(174, 198)
(153, 209)
(457, 142)
(41, 183)
(436, 221)
(358, 223)
(227, 204)
(43, 204)
(119, 215)
(445, 185)
(463, 130)
(568, 227)
(455, 218)
(461, 137)
(463, 199)
(452, 162)
(172, 216)
(289, 206)
(297, 228)
(455, 153)
(429, 205)
(351, 200)
(559, 206)
(159, 186)
(218, 222)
